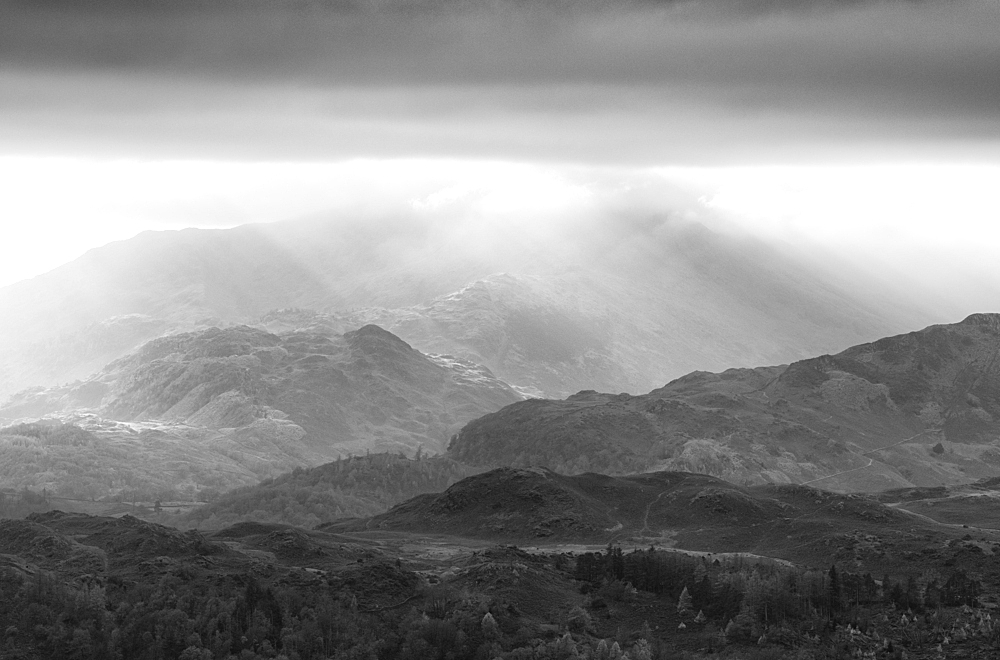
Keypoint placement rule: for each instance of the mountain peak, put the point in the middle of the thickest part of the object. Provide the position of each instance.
(370, 335)
(989, 320)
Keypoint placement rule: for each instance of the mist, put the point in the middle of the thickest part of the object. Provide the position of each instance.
(858, 138)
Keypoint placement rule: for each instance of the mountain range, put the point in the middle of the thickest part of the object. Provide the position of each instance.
(236, 355)
(614, 304)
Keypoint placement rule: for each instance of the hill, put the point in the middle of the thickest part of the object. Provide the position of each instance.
(221, 408)
(913, 409)
(682, 510)
(359, 486)
(519, 504)
(584, 308)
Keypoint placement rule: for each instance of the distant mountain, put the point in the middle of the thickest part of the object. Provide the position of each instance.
(632, 316)
(916, 409)
(225, 407)
(198, 278)
(620, 304)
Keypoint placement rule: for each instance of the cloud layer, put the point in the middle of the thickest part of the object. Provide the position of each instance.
(595, 82)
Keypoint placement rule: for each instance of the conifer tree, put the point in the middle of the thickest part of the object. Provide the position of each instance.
(834, 590)
(684, 603)
(641, 650)
(491, 631)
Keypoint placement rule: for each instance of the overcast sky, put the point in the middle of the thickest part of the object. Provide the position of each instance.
(871, 126)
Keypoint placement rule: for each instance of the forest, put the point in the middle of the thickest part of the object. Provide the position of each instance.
(500, 603)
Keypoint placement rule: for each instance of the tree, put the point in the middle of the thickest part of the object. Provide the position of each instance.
(834, 591)
(578, 620)
(641, 650)
(684, 603)
(491, 631)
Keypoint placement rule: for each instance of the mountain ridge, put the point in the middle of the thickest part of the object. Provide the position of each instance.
(863, 419)
(589, 311)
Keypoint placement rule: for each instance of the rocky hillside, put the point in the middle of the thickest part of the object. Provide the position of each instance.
(222, 408)
(364, 390)
(916, 409)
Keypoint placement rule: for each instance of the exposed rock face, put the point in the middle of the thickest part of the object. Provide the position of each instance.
(367, 389)
(863, 419)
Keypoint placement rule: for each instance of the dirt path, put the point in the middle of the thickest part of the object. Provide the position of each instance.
(899, 507)
(871, 461)
(645, 519)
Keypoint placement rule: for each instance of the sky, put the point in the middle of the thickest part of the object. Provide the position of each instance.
(869, 128)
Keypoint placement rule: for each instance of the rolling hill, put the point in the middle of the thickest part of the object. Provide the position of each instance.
(358, 486)
(681, 510)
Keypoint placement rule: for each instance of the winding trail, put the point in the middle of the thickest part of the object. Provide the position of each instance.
(645, 519)
(871, 461)
(899, 507)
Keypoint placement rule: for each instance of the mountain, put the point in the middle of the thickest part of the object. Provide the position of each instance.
(616, 303)
(192, 279)
(220, 408)
(921, 408)
(634, 317)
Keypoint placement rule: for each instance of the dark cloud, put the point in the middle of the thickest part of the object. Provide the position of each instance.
(631, 81)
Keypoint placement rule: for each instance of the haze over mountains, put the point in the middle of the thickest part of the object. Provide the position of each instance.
(614, 305)
(267, 347)
(622, 283)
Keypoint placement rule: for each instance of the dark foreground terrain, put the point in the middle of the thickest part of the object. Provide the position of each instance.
(663, 565)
